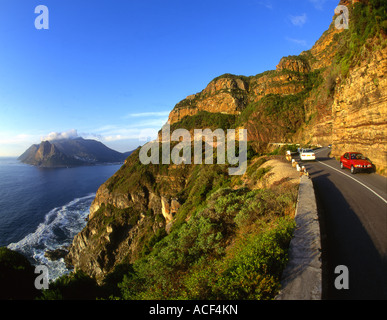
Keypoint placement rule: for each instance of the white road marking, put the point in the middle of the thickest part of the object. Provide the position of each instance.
(385, 201)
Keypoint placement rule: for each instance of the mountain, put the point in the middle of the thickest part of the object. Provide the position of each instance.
(162, 231)
(70, 152)
(335, 93)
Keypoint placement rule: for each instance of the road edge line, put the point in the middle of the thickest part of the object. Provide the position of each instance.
(361, 183)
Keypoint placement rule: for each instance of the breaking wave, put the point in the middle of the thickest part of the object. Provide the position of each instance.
(56, 232)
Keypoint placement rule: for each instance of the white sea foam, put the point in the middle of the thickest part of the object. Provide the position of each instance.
(57, 231)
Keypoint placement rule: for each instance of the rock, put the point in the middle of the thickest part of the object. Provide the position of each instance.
(225, 94)
(56, 254)
(294, 63)
(359, 111)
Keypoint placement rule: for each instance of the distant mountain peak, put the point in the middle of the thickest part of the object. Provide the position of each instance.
(70, 152)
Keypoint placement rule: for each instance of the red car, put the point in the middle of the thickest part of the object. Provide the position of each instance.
(355, 161)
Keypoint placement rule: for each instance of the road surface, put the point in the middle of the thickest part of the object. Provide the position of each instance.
(353, 221)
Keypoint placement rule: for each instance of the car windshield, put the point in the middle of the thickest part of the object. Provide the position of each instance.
(357, 156)
(308, 151)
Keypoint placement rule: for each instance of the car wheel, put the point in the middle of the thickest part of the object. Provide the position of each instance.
(341, 165)
(353, 171)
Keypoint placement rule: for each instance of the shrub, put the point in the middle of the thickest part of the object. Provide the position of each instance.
(367, 20)
(206, 258)
(75, 286)
(254, 271)
(205, 119)
(16, 276)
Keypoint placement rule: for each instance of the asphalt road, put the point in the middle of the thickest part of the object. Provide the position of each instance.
(353, 222)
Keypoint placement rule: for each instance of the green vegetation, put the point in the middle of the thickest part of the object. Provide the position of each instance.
(16, 276)
(204, 119)
(278, 106)
(231, 76)
(234, 247)
(17, 280)
(255, 270)
(367, 23)
(279, 116)
(76, 286)
(275, 117)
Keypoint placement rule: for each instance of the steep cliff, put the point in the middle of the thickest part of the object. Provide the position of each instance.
(231, 94)
(225, 94)
(130, 209)
(359, 110)
(349, 108)
(333, 93)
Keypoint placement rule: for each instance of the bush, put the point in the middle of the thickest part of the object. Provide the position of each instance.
(75, 286)
(17, 276)
(205, 119)
(367, 20)
(255, 270)
(200, 259)
(201, 282)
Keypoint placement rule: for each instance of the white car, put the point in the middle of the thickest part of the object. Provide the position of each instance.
(307, 154)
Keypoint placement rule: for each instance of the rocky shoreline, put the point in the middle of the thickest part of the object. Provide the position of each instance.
(57, 254)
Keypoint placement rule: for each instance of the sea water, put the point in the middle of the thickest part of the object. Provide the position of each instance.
(43, 209)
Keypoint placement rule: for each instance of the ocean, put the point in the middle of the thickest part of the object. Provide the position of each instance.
(43, 209)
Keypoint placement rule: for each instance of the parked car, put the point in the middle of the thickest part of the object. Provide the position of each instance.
(355, 161)
(307, 154)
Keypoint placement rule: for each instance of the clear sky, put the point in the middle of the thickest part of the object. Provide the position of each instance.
(109, 70)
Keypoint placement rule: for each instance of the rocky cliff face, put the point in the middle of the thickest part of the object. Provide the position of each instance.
(226, 94)
(132, 207)
(334, 93)
(359, 111)
(231, 94)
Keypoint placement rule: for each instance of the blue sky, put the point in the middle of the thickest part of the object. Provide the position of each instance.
(111, 70)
